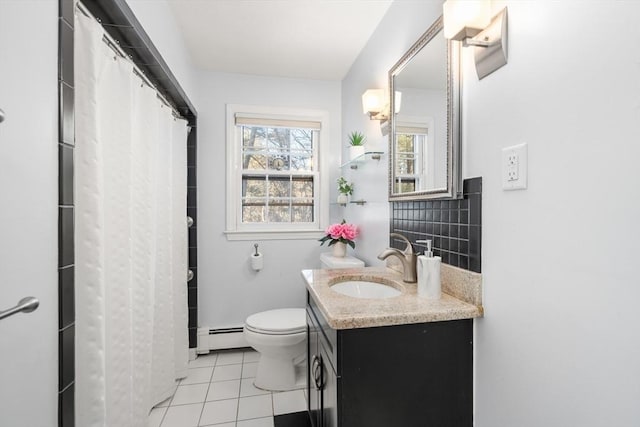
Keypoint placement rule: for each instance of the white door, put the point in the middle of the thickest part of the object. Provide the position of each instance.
(28, 212)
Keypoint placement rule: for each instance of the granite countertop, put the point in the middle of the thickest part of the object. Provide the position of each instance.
(343, 312)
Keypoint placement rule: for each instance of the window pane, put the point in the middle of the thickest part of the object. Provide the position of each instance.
(279, 213)
(278, 138)
(302, 214)
(278, 149)
(301, 162)
(253, 213)
(405, 165)
(302, 187)
(255, 161)
(253, 137)
(302, 139)
(405, 143)
(270, 199)
(406, 186)
(254, 187)
(279, 187)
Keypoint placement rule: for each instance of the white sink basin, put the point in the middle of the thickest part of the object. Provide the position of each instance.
(365, 289)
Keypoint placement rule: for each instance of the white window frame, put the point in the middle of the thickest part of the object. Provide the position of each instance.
(235, 228)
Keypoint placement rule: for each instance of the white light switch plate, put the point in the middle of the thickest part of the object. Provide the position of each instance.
(514, 167)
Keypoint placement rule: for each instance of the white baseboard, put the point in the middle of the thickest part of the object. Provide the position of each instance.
(220, 339)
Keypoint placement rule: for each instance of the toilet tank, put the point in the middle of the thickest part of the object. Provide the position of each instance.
(329, 261)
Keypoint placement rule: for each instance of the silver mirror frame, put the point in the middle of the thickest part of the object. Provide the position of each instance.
(454, 149)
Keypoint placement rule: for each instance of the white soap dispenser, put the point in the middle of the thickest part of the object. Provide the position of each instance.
(429, 273)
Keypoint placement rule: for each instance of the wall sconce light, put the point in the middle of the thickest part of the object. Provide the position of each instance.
(470, 22)
(375, 103)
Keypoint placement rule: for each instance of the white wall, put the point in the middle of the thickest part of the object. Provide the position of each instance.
(228, 290)
(403, 24)
(161, 27)
(28, 211)
(559, 343)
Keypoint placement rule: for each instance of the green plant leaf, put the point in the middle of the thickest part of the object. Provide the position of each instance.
(323, 240)
(356, 138)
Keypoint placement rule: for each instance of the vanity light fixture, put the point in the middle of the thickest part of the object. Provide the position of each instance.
(375, 103)
(470, 22)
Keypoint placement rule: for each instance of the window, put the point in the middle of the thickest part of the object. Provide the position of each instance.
(411, 158)
(273, 174)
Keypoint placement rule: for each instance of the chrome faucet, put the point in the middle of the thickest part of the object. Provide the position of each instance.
(407, 257)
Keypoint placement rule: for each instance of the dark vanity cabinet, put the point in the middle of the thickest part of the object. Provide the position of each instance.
(322, 379)
(413, 375)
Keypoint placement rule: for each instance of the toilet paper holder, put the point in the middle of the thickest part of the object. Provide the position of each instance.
(257, 261)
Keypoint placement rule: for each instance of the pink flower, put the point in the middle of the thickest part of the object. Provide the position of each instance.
(343, 232)
(335, 231)
(349, 231)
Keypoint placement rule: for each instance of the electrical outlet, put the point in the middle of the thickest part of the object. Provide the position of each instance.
(514, 167)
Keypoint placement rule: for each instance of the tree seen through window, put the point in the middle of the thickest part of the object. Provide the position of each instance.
(277, 174)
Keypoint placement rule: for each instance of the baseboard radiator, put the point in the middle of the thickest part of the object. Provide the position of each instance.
(220, 339)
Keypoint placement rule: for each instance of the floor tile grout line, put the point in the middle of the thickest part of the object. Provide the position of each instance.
(273, 407)
(238, 407)
(206, 394)
(164, 414)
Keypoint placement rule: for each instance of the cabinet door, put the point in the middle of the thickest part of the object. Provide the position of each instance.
(329, 391)
(313, 360)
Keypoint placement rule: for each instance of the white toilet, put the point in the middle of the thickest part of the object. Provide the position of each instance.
(280, 338)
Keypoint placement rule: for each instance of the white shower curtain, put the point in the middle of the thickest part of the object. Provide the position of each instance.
(130, 239)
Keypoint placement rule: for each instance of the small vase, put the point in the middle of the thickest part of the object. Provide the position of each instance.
(356, 151)
(343, 199)
(339, 250)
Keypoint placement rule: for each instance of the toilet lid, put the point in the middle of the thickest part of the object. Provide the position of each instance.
(281, 321)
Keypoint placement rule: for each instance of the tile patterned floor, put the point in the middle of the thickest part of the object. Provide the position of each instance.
(218, 391)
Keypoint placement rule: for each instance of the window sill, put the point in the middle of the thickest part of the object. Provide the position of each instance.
(274, 235)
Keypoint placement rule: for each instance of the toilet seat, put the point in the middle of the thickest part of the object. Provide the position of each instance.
(283, 321)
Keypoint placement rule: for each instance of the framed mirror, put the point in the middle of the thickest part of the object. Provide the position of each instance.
(424, 141)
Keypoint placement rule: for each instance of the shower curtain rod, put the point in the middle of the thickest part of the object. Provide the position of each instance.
(115, 46)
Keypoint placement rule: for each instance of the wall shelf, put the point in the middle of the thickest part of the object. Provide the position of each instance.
(369, 155)
(351, 202)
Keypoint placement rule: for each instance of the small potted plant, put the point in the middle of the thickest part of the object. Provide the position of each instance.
(345, 189)
(356, 144)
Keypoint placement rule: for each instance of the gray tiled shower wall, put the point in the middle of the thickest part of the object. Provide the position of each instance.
(453, 226)
(66, 270)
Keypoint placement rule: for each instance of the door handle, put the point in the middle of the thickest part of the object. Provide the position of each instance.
(315, 364)
(25, 305)
(1, 115)
(317, 368)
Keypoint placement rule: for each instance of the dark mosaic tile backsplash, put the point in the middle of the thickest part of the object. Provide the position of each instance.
(453, 226)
